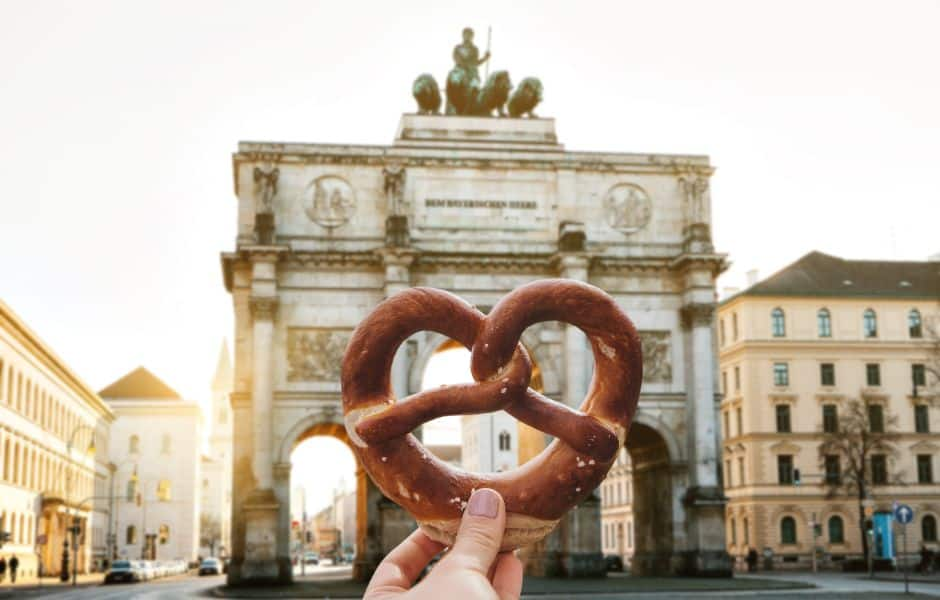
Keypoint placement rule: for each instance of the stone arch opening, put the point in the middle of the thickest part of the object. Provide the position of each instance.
(650, 519)
(321, 515)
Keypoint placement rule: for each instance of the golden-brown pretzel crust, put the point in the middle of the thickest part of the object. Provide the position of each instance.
(537, 493)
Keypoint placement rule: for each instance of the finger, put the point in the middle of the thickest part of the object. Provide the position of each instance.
(401, 567)
(480, 533)
(507, 576)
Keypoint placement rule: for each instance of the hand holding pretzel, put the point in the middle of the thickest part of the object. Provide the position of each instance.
(537, 493)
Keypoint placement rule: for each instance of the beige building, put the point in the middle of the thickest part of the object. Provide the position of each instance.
(795, 351)
(53, 448)
(617, 509)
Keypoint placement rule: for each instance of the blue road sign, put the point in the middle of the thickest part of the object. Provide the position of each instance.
(904, 514)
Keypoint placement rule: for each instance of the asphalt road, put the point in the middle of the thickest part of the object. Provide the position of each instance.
(166, 589)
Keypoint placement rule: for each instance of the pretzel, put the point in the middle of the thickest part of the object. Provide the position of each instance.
(539, 492)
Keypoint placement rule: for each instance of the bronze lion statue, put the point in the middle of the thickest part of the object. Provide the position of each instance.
(493, 96)
(427, 94)
(525, 98)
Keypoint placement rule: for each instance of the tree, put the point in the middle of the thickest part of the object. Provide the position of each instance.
(210, 530)
(865, 442)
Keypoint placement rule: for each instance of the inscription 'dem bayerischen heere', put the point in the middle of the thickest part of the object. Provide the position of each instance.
(449, 203)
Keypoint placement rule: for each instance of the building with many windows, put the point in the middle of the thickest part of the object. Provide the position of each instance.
(216, 502)
(799, 353)
(156, 450)
(53, 452)
(617, 509)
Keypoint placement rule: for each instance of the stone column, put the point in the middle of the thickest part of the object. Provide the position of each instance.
(579, 543)
(282, 493)
(368, 526)
(705, 552)
(397, 263)
(263, 309)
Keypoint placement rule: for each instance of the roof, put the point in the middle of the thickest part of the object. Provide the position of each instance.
(824, 275)
(140, 383)
(12, 323)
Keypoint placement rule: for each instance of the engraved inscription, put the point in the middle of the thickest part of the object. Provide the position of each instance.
(454, 203)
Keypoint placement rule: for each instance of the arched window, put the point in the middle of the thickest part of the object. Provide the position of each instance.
(869, 323)
(166, 443)
(824, 323)
(928, 528)
(914, 325)
(131, 490)
(778, 323)
(163, 490)
(505, 441)
(130, 537)
(836, 530)
(133, 445)
(788, 530)
(164, 533)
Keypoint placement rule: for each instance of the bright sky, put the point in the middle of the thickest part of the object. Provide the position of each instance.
(119, 120)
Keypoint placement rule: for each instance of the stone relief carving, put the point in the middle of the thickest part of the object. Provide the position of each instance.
(395, 189)
(329, 201)
(657, 356)
(315, 354)
(628, 207)
(265, 189)
(697, 195)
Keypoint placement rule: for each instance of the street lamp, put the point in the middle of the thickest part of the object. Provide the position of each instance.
(73, 528)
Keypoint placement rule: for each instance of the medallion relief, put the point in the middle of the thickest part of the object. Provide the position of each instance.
(329, 201)
(315, 354)
(628, 208)
(657, 356)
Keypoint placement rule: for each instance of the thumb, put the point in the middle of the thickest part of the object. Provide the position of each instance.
(480, 533)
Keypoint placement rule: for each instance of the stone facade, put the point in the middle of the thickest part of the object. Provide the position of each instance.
(475, 206)
(49, 421)
(216, 502)
(789, 358)
(157, 436)
(617, 527)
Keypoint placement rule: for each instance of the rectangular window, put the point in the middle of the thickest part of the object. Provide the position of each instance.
(919, 375)
(727, 423)
(737, 379)
(727, 474)
(785, 469)
(724, 382)
(879, 469)
(924, 468)
(721, 331)
(734, 326)
(921, 419)
(783, 418)
(830, 418)
(876, 418)
(740, 420)
(734, 533)
(873, 374)
(833, 469)
(747, 537)
(827, 374)
(781, 374)
(741, 479)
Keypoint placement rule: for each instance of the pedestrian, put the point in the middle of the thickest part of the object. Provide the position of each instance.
(752, 559)
(473, 568)
(3, 568)
(14, 564)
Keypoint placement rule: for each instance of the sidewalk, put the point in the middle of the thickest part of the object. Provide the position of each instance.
(32, 583)
(533, 586)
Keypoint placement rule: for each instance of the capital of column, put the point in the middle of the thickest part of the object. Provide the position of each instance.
(263, 307)
(697, 314)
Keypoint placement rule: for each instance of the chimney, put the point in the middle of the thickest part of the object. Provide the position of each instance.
(751, 277)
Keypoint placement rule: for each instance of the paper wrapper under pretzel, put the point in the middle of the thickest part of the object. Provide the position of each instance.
(538, 493)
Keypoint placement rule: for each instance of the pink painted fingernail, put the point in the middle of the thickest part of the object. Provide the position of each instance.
(484, 503)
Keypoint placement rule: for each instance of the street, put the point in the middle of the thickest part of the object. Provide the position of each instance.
(830, 586)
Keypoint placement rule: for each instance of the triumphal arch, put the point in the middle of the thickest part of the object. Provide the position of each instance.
(476, 205)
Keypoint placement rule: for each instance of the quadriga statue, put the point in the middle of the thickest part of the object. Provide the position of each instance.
(466, 95)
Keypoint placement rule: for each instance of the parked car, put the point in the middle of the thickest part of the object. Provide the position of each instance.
(210, 566)
(613, 562)
(311, 558)
(122, 571)
(145, 567)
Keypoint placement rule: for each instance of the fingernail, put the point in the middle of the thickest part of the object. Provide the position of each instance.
(484, 503)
